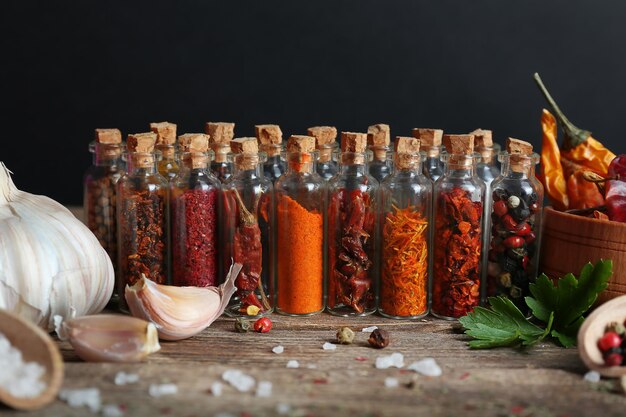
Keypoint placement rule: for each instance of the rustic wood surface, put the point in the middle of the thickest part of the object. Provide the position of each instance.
(542, 381)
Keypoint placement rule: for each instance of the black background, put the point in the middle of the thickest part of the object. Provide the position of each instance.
(69, 67)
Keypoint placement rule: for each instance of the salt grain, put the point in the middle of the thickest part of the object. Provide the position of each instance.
(159, 390)
(264, 389)
(240, 381)
(283, 408)
(311, 366)
(18, 378)
(592, 376)
(112, 410)
(391, 382)
(329, 346)
(395, 360)
(293, 364)
(122, 378)
(426, 366)
(278, 349)
(83, 397)
(216, 388)
(369, 329)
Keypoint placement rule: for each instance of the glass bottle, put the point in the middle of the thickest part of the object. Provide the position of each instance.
(300, 212)
(167, 164)
(378, 139)
(459, 203)
(141, 216)
(406, 206)
(220, 135)
(326, 145)
(270, 139)
(430, 143)
(99, 200)
(249, 219)
(516, 225)
(194, 194)
(352, 229)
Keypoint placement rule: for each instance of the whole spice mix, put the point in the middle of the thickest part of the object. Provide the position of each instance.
(194, 198)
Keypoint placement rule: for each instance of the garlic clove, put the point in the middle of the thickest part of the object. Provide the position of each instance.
(180, 312)
(110, 338)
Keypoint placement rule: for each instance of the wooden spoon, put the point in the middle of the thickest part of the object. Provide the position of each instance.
(36, 346)
(593, 329)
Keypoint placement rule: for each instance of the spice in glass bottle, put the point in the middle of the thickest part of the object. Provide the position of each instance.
(326, 145)
(406, 202)
(352, 230)
(248, 217)
(300, 223)
(459, 198)
(430, 143)
(378, 139)
(270, 139)
(141, 216)
(516, 225)
(220, 135)
(99, 189)
(166, 144)
(194, 195)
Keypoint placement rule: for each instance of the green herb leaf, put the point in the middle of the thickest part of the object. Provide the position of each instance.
(502, 325)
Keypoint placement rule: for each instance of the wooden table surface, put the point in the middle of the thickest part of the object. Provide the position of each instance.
(542, 381)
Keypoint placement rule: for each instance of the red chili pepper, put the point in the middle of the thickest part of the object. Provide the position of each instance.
(263, 325)
(513, 242)
(500, 208)
(509, 223)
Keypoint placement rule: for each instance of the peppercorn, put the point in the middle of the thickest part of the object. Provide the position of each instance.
(241, 325)
(263, 325)
(345, 335)
(379, 339)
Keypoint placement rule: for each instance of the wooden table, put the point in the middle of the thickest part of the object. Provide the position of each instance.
(543, 381)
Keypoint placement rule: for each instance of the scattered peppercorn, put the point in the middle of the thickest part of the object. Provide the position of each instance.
(379, 339)
(263, 325)
(345, 335)
(241, 325)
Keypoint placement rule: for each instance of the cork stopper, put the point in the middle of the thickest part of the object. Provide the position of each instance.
(353, 145)
(166, 132)
(325, 137)
(458, 148)
(219, 132)
(248, 150)
(141, 146)
(378, 139)
(519, 154)
(428, 137)
(483, 138)
(194, 147)
(301, 144)
(108, 136)
(407, 152)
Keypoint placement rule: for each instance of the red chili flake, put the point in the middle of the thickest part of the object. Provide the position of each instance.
(517, 409)
(194, 238)
(360, 358)
(320, 381)
(464, 375)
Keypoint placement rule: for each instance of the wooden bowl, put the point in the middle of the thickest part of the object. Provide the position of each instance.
(36, 346)
(570, 241)
(593, 329)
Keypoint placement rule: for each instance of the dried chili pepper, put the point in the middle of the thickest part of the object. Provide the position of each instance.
(578, 148)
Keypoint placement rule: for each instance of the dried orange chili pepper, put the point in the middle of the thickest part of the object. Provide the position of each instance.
(578, 148)
(405, 263)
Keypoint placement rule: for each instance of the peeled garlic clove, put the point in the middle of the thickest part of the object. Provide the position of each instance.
(110, 338)
(180, 312)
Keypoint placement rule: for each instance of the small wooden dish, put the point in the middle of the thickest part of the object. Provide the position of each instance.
(36, 346)
(593, 329)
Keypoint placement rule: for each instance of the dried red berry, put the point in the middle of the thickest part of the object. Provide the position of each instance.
(509, 223)
(530, 238)
(608, 341)
(614, 359)
(499, 207)
(524, 229)
(263, 325)
(513, 242)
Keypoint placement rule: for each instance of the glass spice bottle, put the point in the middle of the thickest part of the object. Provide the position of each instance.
(459, 201)
(194, 194)
(325, 142)
(166, 144)
(430, 143)
(352, 232)
(406, 199)
(99, 200)
(141, 216)
(516, 225)
(270, 139)
(378, 139)
(248, 217)
(300, 211)
(220, 135)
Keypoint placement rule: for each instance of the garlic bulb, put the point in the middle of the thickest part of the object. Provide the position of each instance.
(109, 337)
(180, 312)
(49, 260)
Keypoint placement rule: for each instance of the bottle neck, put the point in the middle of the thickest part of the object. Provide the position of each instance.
(141, 162)
(353, 162)
(221, 151)
(195, 160)
(432, 151)
(459, 165)
(300, 162)
(106, 154)
(247, 165)
(408, 163)
(487, 155)
(168, 151)
(326, 151)
(518, 166)
(381, 153)
(272, 149)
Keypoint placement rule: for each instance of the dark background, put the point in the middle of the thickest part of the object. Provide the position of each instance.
(69, 67)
